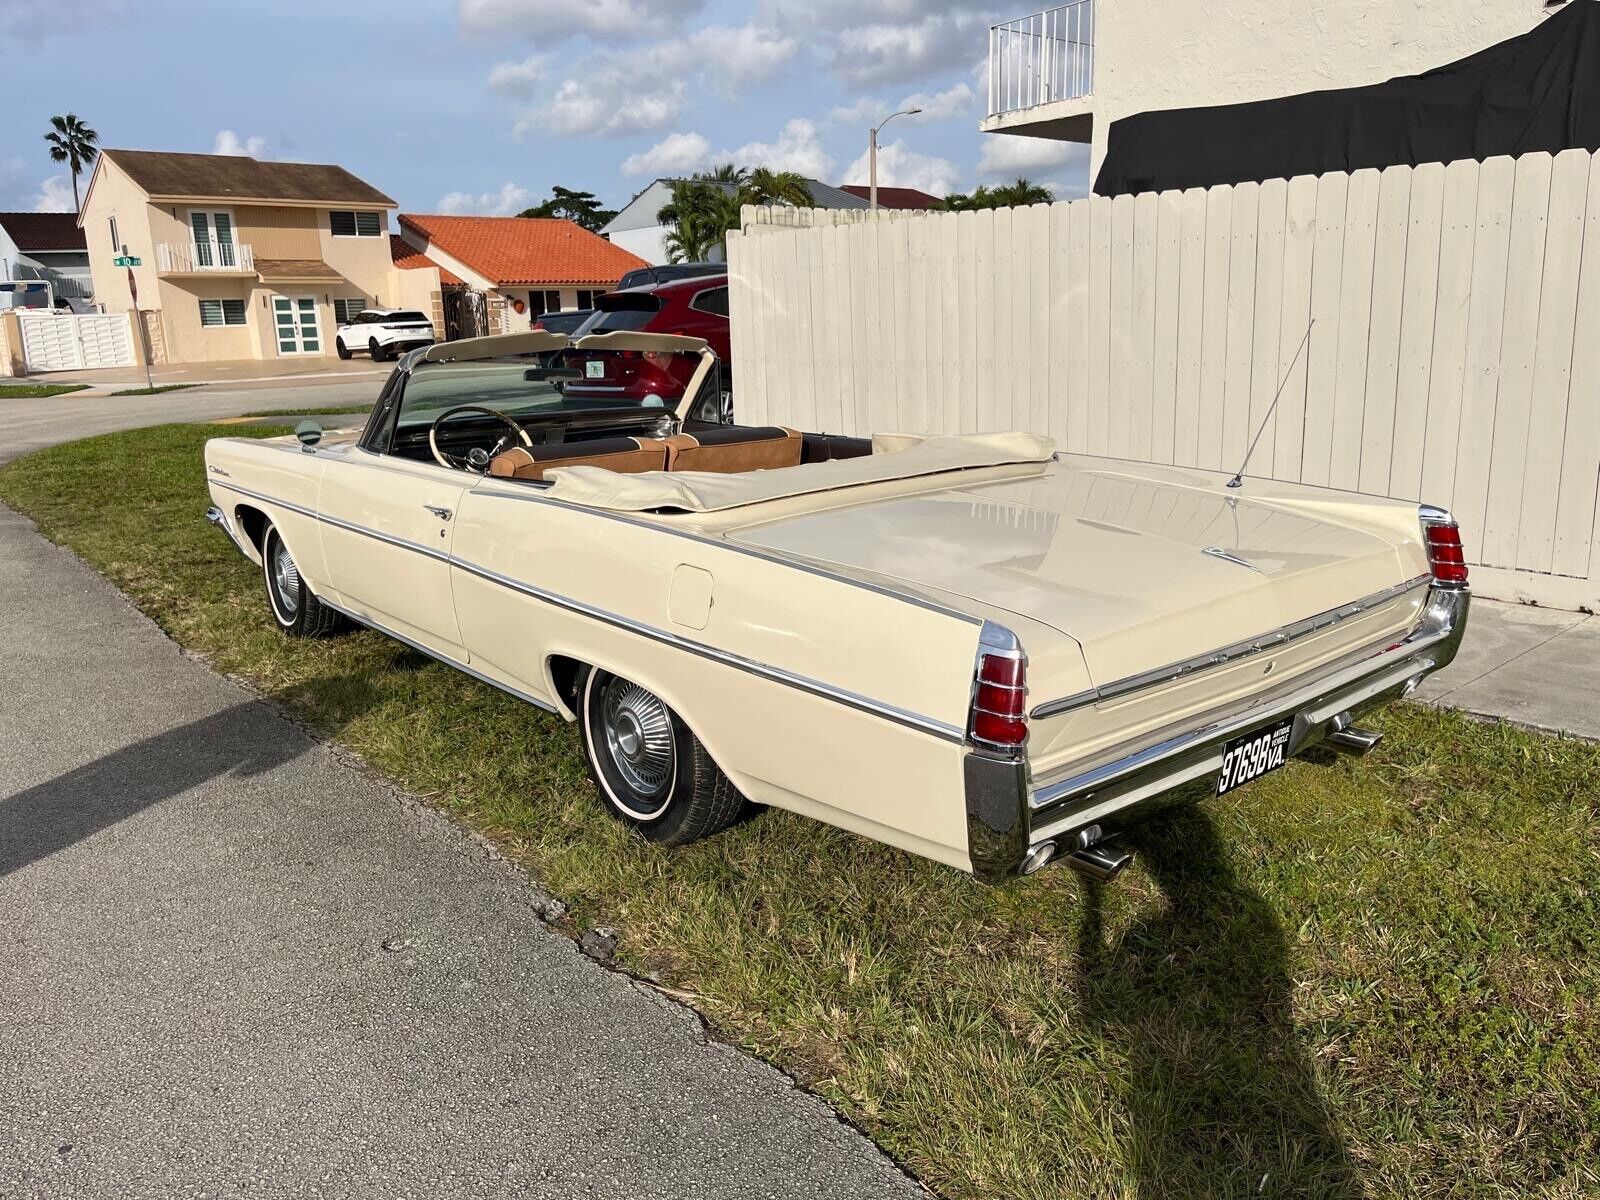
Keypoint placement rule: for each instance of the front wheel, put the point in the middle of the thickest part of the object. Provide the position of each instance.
(294, 606)
(340, 348)
(652, 772)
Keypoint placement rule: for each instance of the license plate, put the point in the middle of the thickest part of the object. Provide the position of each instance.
(1248, 758)
(594, 369)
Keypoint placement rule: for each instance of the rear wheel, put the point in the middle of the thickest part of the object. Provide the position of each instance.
(375, 350)
(652, 772)
(294, 606)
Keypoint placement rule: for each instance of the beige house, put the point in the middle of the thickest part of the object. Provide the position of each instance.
(1069, 71)
(242, 259)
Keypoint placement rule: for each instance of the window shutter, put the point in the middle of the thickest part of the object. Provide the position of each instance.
(233, 312)
(211, 312)
(366, 224)
(342, 224)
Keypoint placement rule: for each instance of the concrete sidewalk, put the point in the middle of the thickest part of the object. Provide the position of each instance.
(245, 371)
(1535, 666)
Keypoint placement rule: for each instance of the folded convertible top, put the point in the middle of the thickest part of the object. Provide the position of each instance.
(706, 491)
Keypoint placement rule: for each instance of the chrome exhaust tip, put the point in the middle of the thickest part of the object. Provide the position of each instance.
(1038, 856)
(1101, 863)
(1354, 741)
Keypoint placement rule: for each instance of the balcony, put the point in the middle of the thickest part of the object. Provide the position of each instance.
(204, 258)
(1041, 59)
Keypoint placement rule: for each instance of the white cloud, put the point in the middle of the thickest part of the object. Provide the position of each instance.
(555, 20)
(900, 166)
(739, 56)
(55, 195)
(795, 149)
(675, 154)
(508, 201)
(940, 106)
(229, 142)
(868, 111)
(519, 78)
(1009, 154)
(605, 106)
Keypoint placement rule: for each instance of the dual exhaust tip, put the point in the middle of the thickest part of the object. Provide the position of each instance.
(1090, 857)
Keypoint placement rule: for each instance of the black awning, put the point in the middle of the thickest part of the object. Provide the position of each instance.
(1540, 91)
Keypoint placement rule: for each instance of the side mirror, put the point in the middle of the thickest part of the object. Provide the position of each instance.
(309, 433)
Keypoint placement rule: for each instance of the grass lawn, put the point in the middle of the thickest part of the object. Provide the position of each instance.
(332, 410)
(1374, 977)
(37, 391)
(156, 390)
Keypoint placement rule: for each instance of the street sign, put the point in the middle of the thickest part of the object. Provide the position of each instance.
(126, 260)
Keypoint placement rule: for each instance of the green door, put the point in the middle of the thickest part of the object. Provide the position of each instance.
(295, 322)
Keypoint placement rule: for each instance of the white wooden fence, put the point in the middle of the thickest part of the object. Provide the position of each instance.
(1455, 355)
(73, 341)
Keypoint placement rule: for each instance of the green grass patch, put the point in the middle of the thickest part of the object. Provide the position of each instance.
(37, 391)
(1370, 977)
(332, 410)
(157, 389)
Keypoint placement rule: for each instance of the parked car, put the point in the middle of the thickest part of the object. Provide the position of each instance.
(563, 322)
(384, 333)
(696, 307)
(667, 272)
(973, 648)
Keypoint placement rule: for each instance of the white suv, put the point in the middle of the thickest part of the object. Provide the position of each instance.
(384, 333)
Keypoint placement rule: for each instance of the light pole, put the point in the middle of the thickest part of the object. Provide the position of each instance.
(872, 154)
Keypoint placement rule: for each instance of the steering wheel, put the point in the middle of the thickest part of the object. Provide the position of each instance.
(461, 464)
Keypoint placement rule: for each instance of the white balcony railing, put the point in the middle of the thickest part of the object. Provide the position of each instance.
(184, 258)
(1044, 57)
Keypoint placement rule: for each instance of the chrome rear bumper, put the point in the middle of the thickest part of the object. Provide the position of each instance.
(1010, 814)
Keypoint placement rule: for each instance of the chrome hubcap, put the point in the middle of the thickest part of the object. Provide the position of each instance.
(285, 580)
(638, 732)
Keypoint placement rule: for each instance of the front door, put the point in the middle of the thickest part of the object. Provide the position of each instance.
(213, 240)
(295, 324)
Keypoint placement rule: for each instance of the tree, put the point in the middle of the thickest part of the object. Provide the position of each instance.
(582, 208)
(704, 208)
(74, 143)
(1008, 195)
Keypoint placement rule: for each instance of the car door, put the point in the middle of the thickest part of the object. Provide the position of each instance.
(387, 525)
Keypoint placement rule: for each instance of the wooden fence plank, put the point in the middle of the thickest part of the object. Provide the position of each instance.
(1233, 433)
(1458, 243)
(1079, 382)
(1094, 437)
(1119, 397)
(1323, 351)
(1271, 214)
(1214, 330)
(1164, 334)
(1576, 551)
(1191, 325)
(1343, 450)
(1383, 331)
(1417, 308)
(1141, 333)
(1299, 242)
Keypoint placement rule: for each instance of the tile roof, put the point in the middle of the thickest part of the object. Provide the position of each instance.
(235, 177)
(44, 231)
(526, 251)
(894, 197)
(408, 258)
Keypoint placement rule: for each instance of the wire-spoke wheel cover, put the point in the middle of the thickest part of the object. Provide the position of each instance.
(638, 740)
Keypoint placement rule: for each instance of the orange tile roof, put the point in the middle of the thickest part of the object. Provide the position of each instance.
(408, 258)
(526, 251)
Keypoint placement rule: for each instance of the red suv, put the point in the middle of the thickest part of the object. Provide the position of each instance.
(694, 307)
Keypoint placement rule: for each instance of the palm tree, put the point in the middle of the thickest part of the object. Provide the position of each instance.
(724, 173)
(777, 187)
(74, 143)
(1023, 191)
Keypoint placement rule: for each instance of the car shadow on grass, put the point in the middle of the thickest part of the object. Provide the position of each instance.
(1222, 1097)
(51, 816)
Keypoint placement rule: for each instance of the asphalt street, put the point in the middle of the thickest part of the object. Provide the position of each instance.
(232, 962)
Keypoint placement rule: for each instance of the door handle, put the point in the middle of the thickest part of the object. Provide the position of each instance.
(442, 513)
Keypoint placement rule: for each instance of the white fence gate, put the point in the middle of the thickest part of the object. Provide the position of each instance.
(75, 341)
(1455, 357)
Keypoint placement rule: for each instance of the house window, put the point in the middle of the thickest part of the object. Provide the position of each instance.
(346, 310)
(586, 298)
(116, 242)
(540, 303)
(354, 224)
(221, 312)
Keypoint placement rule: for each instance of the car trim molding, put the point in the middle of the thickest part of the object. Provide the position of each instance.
(1272, 640)
(816, 687)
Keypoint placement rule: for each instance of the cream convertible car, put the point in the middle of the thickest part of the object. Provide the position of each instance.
(973, 648)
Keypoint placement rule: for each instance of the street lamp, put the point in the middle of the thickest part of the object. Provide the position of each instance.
(872, 154)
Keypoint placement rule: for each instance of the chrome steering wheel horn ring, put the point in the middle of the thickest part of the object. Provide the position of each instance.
(456, 464)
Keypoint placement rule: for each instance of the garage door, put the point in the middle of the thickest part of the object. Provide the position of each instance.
(75, 341)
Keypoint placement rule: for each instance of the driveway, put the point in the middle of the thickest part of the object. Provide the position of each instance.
(233, 962)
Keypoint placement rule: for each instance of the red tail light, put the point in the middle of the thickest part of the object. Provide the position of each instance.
(999, 701)
(1446, 558)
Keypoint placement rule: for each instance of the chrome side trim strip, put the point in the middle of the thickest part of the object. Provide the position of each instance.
(747, 551)
(878, 708)
(1216, 658)
(444, 658)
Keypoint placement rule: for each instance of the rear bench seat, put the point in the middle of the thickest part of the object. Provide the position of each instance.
(627, 455)
(730, 449)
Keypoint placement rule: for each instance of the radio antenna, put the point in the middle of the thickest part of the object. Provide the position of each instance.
(1238, 476)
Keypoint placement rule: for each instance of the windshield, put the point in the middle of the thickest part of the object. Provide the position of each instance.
(520, 389)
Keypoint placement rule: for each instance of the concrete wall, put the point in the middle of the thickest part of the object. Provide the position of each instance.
(1159, 54)
(1455, 356)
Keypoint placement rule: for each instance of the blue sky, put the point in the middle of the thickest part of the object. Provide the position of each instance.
(482, 105)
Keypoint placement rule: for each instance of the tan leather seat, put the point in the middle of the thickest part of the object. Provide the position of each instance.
(626, 455)
(734, 448)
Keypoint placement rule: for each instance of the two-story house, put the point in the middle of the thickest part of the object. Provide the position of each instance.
(238, 258)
